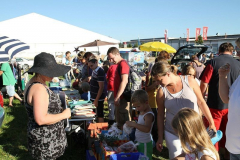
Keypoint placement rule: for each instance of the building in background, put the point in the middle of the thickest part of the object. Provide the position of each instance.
(212, 41)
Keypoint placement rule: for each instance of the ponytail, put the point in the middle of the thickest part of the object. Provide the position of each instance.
(173, 69)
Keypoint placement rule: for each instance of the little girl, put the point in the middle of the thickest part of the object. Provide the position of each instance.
(144, 124)
(195, 141)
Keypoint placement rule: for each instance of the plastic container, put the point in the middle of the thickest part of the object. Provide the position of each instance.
(125, 156)
(55, 89)
(54, 84)
(23, 84)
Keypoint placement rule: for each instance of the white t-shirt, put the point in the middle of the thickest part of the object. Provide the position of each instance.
(206, 152)
(233, 127)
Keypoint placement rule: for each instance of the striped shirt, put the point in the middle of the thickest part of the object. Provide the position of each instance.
(98, 75)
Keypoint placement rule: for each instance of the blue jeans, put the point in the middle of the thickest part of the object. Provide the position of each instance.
(234, 156)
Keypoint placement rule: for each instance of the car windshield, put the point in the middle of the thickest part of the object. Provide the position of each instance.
(187, 53)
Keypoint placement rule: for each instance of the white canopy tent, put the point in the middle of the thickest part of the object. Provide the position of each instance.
(44, 34)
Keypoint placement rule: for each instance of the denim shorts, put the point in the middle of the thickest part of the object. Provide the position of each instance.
(10, 90)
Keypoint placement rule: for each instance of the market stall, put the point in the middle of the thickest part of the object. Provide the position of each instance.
(82, 112)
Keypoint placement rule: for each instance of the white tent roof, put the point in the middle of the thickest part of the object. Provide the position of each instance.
(35, 28)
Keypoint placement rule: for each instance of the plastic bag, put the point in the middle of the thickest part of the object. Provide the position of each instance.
(55, 79)
(143, 157)
(127, 129)
(114, 131)
(127, 147)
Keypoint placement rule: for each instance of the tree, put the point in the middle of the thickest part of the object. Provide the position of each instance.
(135, 45)
(200, 40)
(129, 45)
(121, 45)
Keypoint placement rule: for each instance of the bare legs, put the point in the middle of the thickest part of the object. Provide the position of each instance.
(11, 99)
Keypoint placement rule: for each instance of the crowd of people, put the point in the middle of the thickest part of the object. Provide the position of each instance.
(171, 106)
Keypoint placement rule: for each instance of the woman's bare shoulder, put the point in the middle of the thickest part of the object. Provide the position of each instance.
(37, 89)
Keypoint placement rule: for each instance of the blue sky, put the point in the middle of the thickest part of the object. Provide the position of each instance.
(129, 19)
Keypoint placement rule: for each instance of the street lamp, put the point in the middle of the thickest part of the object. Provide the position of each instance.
(179, 42)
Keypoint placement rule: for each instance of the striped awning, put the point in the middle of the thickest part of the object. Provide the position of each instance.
(10, 47)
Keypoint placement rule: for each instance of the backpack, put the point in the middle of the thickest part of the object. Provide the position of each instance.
(134, 82)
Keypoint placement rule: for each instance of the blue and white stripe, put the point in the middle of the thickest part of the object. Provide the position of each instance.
(10, 47)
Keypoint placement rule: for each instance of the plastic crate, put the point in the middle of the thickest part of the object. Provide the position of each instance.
(54, 84)
(125, 156)
(90, 155)
(104, 154)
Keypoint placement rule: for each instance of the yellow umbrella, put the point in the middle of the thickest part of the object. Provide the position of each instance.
(157, 46)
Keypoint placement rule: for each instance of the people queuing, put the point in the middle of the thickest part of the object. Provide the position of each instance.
(171, 106)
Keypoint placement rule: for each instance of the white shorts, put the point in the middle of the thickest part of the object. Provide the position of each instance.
(10, 90)
(173, 144)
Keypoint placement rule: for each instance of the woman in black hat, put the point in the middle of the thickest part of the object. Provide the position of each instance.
(46, 134)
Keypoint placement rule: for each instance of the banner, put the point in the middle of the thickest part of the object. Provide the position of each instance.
(205, 29)
(165, 35)
(187, 34)
(198, 30)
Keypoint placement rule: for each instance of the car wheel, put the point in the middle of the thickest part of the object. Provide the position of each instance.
(25, 67)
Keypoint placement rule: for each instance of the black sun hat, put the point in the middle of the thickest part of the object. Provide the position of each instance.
(45, 64)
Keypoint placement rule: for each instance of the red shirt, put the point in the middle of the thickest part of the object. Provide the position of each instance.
(110, 76)
(123, 67)
(207, 74)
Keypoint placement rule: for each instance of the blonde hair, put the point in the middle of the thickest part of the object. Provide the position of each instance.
(139, 96)
(188, 124)
(186, 69)
(161, 68)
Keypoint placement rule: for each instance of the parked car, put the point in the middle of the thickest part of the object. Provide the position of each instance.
(183, 55)
(24, 63)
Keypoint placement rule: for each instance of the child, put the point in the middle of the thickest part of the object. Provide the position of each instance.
(145, 122)
(85, 88)
(97, 86)
(191, 71)
(195, 141)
